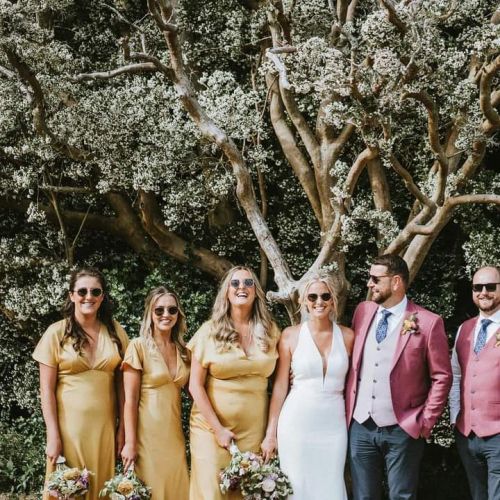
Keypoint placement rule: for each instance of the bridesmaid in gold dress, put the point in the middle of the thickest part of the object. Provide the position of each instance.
(80, 380)
(233, 355)
(155, 370)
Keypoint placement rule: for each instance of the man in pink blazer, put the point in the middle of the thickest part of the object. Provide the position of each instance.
(398, 384)
(475, 393)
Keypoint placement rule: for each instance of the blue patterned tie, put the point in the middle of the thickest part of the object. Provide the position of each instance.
(481, 336)
(381, 332)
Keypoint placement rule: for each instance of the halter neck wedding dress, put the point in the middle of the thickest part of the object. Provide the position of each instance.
(312, 432)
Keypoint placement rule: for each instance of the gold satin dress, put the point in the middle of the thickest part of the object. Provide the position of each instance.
(236, 385)
(161, 453)
(86, 402)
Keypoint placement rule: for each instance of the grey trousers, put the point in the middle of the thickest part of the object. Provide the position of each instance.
(481, 459)
(373, 449)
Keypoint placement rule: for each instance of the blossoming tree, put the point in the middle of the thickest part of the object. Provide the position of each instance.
(147, 122)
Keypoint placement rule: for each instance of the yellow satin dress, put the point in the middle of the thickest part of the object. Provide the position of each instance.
(161, 453)
(236, 385)
(86, 401)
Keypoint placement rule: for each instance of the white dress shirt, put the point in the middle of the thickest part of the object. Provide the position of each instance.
(455, 366)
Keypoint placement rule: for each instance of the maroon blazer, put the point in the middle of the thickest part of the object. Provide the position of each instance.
(421, 375)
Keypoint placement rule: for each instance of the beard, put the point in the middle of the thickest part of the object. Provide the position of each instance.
(381, 297)
(489, 305)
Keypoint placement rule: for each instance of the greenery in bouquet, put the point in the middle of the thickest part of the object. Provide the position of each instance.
(255, 479)
(126, 486)
(68, 482)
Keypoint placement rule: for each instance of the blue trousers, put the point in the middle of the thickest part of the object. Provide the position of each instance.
(481, 459)
(373, 449)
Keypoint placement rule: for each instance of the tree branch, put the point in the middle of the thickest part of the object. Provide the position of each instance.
(393, 17)
(38, 104)
(290, 149)
(207, 127)
(410, 184)
(485, 96)
(175, 246)
(106, 75)
(369, 153)
(473, 198)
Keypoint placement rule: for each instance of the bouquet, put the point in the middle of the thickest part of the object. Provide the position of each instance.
(66, 483)
(255, 479)
(126, 486)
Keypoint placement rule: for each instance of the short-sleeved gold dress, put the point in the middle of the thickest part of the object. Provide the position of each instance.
(86, 401)
(236, 385)
(161, 454)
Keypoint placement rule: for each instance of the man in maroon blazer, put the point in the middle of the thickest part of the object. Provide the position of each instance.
(398, 384)
(475, 394)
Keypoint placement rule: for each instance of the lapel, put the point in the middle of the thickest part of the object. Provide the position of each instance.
(403, 339)
(362, 331)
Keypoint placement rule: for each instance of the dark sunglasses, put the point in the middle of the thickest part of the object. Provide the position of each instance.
(325, 297)
(160, 311)
(95, 292)
(376, 279)
(490, 287)
(247, 283)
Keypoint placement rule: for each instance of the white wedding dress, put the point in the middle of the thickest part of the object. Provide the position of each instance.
(312, 431)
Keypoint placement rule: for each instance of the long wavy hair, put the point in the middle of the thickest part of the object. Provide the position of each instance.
(260, 322)
(73, 331)
(147, 326)
(319, 277)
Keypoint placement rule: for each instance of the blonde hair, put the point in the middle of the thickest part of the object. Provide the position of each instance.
(319, 277)
(261, 321)
(178, 330)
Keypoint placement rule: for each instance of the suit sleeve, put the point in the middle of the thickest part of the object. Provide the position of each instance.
(438, 361)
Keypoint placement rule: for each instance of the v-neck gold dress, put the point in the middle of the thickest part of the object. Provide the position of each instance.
(236, 386)
(86, 401)
(161, 455)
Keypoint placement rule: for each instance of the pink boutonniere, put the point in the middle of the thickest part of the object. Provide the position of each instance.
(497, 336)
(410, 325)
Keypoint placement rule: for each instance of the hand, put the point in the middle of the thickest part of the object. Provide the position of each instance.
(268, 447)
(119, 440)
(224, 437)
(128, 454)
(53, 449)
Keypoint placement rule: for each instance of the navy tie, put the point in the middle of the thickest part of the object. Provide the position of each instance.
(481, 336)
(381, 332)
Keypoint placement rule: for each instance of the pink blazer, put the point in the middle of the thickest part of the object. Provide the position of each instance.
(421, 371)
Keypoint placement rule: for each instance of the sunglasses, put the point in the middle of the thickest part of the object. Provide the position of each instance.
(376, 279)
(325, 297)
(95, 292)
(490, 287)
(160, 311)
(246, 283)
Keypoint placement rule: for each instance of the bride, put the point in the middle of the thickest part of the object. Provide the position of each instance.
(308, 425)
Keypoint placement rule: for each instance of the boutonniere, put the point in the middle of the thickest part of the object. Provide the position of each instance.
(410, 325)
(497, 336)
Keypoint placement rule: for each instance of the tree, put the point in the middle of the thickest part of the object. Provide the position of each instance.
(405, 92)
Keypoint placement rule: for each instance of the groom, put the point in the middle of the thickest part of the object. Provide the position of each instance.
(397, 386)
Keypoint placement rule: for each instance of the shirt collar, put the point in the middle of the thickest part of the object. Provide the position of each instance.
(396, 310)
(494, 317)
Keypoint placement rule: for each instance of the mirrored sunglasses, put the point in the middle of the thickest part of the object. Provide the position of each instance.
(160, 311)
(325, 297)
(246, 283)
